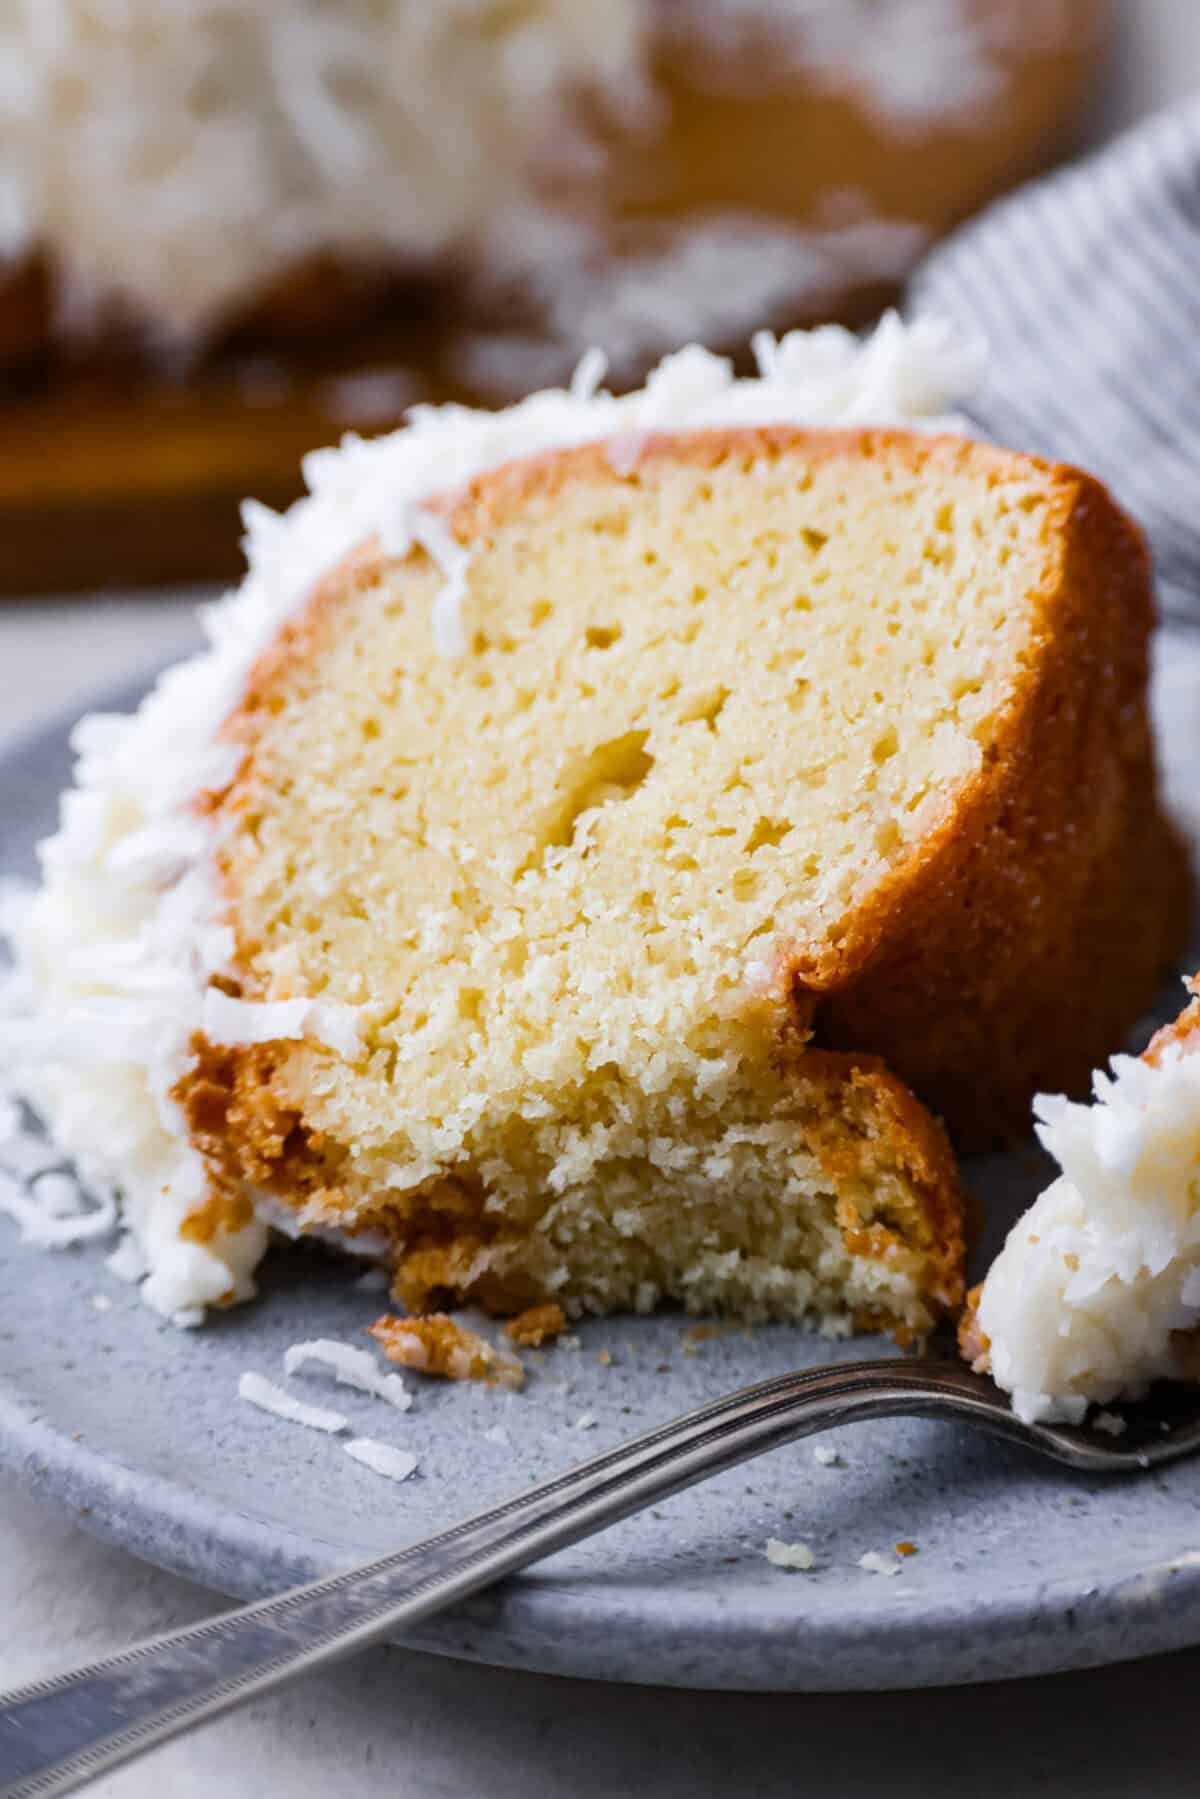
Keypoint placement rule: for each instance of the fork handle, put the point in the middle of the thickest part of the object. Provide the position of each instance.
(58, 1733)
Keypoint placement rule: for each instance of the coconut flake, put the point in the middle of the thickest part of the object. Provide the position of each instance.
(589, 373)
(352, 1366)
(446, 622)
(264, 1394)
(624, 453)
(874, 1563)
(381, 1458)
(242, 1022)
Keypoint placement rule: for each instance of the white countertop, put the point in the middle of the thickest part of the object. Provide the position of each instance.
(415, 1726)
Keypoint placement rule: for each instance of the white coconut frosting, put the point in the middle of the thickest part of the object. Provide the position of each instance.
(118, 950)
(1082, 1303)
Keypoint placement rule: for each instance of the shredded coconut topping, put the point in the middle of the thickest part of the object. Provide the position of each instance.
(264, 1394)
(118, 951)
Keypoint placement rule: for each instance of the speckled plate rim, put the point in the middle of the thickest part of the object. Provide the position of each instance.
(567, 1627)
(1064, 1625)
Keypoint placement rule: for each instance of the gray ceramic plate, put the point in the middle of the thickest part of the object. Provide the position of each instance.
(135, 1425)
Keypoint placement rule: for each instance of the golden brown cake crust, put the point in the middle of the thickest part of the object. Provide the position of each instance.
(1020, 952)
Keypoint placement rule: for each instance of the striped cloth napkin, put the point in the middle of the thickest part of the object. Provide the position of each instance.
(1086, 287)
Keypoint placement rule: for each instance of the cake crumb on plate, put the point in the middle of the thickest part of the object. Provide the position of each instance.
(438, 1346)
(538, 1325)
(796, 1556)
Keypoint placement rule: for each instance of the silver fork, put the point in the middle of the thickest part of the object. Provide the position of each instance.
(59, 1733)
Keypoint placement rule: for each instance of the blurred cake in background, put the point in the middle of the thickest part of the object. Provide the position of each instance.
(179, 167)
(560, 172)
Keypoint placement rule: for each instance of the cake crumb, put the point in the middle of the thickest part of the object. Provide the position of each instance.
(605, 1358)
(438, 1346)
(1110, 1422)
(874, 1563)
(796, 1556)
(827, 1456)
(538, 1325)
(906, 1547)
